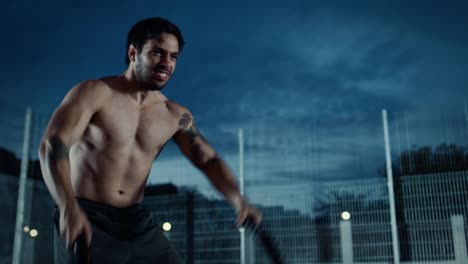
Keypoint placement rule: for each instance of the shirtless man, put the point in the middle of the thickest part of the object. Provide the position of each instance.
(98, 148)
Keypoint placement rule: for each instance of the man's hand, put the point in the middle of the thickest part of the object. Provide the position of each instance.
(73, 223)
(246, 211)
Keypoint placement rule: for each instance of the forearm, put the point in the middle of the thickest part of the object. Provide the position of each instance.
(223, 179)
(55, 167)
(202, 155)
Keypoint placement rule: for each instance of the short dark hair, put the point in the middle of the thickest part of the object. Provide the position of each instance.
(151, 28)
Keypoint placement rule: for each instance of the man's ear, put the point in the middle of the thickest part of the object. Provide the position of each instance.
(132, 52)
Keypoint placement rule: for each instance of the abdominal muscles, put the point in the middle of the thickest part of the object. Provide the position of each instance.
(116, 177)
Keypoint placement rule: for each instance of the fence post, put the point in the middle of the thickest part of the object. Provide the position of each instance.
(346, 242)
(459, 239)
(21, 190)
(391, 193)
(243, 245)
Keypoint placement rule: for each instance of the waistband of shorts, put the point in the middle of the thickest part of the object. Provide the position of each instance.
(89, 205)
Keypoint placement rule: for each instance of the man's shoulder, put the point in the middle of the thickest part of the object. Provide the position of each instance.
(94, 86)
(176, 108)
(181, 114)
(93, 91)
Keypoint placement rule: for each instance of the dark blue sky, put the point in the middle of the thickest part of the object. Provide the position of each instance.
(306, 79)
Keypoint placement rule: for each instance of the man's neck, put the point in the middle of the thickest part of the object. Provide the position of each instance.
(137, 90)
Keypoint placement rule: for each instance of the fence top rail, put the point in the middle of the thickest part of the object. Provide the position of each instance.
(436, 177)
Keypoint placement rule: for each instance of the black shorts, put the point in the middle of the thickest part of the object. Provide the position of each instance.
(120, 235)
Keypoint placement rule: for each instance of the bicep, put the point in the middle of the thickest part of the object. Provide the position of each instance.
(68, 123)
(192, 144)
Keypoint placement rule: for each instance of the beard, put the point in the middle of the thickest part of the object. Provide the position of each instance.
(143, 75)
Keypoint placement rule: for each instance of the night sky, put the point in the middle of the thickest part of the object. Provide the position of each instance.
(306, 80)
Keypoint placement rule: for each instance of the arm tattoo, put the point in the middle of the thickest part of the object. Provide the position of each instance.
(194, 133)
(201, 157)
(58, 149)
(191, 130)
(196, 152)
(185, 120)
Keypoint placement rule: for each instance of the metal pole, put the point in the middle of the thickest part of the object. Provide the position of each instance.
(346, 242)
(241, 186)
(466, 117)
(241, 160)
(459, 239)
(21, 189)
(391, 192)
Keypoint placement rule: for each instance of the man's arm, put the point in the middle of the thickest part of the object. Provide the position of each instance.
(202, 155)
(65, 128)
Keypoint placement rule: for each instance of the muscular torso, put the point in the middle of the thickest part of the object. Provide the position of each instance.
(112, 160)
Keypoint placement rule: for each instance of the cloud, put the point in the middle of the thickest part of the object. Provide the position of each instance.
(307, 80)
(305, 94)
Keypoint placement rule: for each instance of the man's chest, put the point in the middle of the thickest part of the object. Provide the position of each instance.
(146, 127)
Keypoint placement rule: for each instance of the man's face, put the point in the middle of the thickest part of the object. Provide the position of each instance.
(156, 62)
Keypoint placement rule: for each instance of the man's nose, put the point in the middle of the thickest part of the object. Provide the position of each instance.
(165, 59)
